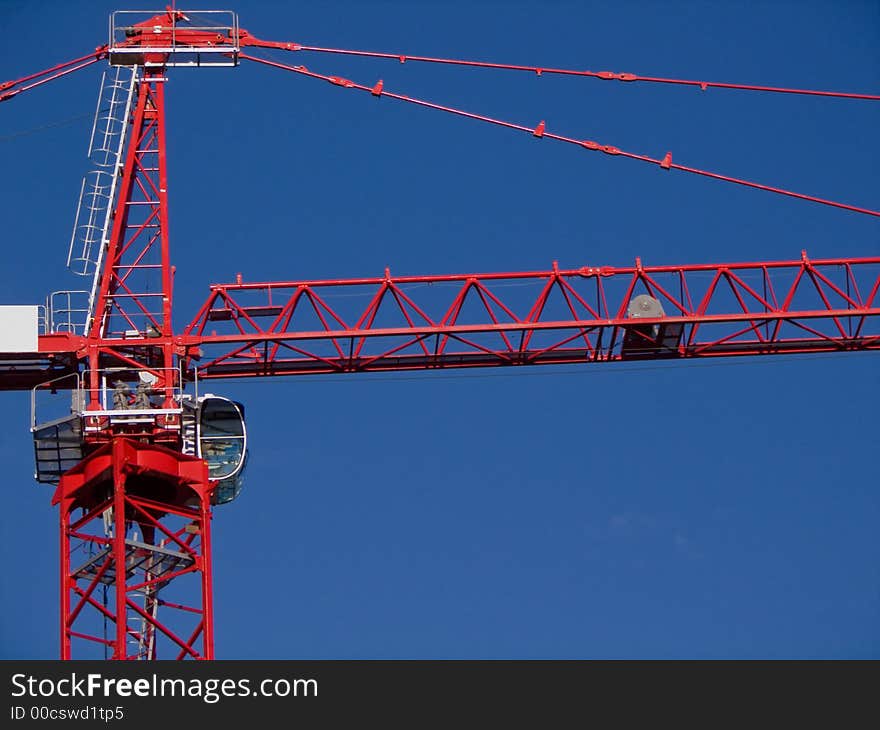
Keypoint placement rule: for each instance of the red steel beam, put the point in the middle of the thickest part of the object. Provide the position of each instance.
(139, 580)
(539, 317)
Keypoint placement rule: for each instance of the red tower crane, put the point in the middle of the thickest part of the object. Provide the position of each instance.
(139, 462)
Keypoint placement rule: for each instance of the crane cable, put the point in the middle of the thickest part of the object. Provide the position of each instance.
(44, 127)
(540, 131)
(7, 90)
(539, 71)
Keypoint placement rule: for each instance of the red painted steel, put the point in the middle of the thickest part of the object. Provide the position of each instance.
(58, 355)
(249, 40)
(529, 318)
(150, 487)
(9, 89)
(134, 299)
(151, 541)
(665, 163)
(135, 514)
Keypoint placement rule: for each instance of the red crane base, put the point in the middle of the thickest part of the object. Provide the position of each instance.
(136, 555)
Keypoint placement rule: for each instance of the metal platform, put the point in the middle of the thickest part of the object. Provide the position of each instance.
(157, 39)
(152, 560)
(58, 446)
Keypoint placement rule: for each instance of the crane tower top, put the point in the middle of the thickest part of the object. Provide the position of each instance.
(157, 39)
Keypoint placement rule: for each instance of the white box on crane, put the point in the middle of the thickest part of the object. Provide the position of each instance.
(19, 328)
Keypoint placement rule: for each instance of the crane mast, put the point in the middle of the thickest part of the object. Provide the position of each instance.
(140, 462)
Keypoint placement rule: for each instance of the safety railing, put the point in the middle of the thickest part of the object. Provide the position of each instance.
(134, 392)
(161, 39)
(67, 311)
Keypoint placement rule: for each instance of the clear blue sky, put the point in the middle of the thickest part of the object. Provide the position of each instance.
(727, 512)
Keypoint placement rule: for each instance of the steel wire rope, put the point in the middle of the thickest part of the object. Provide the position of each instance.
(541, 132)
(540, 70)
(45, 127)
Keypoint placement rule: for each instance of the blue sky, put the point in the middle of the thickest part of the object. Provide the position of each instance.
(686, 511)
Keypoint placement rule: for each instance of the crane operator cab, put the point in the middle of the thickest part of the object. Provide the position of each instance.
(222, 442)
